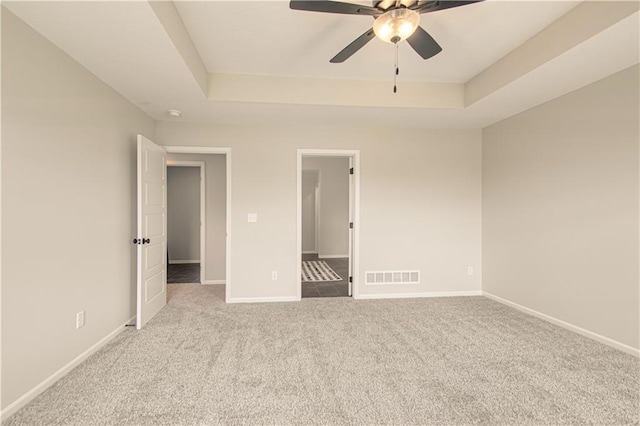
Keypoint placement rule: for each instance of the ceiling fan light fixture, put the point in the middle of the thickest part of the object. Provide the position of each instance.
(396, 25)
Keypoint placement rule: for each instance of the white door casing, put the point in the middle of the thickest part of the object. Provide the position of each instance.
(351, 220)
(227, 153)
(151, 240)
(354, 214)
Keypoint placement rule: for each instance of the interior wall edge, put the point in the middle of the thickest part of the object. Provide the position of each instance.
(566, 325)
(51, 380)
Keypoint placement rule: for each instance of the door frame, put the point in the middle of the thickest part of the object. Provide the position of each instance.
(203, 246)
(354, 200)
(173, 149)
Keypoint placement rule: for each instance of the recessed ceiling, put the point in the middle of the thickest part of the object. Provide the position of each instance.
(258, 62)
(267, 38)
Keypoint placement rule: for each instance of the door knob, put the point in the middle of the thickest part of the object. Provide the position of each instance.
(146, 241)
(136, 241)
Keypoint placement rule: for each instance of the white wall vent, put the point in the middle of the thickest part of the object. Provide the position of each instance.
(392, 277)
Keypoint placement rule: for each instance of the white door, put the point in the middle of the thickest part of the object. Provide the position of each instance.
(152, 230)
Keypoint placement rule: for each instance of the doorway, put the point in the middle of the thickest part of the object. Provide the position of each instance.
(215, 240)
(186, 222)
(327, 226)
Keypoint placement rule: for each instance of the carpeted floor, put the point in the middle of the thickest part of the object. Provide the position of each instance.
(448, 361)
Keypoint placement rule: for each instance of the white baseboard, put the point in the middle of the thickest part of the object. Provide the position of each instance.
(310, 252)
(263, 299)
(179, 262)
(45, 384)
(332, 256)
(212, 282)
(419, 295)
(584, 332)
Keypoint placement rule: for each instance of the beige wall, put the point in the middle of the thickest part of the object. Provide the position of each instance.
(183, 214)
(68, 208)
(420, 202)
(333, 223)
(560, 208)
(215, 212)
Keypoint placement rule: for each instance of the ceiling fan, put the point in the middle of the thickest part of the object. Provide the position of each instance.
(395, 21)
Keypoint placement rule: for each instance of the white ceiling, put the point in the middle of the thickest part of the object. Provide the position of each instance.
(142, 57)
(267, 38)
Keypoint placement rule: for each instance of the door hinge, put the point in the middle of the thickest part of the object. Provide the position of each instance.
(350, 225)
(350, 279)
(351, 171)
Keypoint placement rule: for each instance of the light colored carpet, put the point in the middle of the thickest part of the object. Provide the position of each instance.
(449, 361)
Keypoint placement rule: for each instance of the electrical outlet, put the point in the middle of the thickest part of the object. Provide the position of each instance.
(252, 217)
(274, 275)
(469, 270)
(79, 319)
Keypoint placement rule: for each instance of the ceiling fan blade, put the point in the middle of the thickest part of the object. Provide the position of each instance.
(334, 7)
(424, 44)
(433, 6)
(355, 45)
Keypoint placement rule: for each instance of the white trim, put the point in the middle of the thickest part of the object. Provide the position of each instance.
(355, 261)
(391, 283)
(263, 299)
(332, 256)
(584, 332)
(355, 258)
(317, 203)
(180, 262)
(227, 153)
(213, 282)
(181, 163)
(350, 272)
(49, 381)
(309, 252)
(174, 149)
(420, 295)
(299, 226)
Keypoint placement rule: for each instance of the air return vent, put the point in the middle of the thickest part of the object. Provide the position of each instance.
(392, 277)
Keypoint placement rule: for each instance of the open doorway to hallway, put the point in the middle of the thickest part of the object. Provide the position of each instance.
(196, 218)
(186, 198)
(326, 211)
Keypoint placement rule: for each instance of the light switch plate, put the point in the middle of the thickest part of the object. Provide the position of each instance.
(252, 218)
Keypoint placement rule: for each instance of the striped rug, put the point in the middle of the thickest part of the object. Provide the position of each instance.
(318, 270)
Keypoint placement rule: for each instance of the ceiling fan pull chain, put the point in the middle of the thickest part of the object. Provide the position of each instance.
(395, 77)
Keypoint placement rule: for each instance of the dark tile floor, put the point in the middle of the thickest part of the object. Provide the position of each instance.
(331, 288)
(183, 273)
